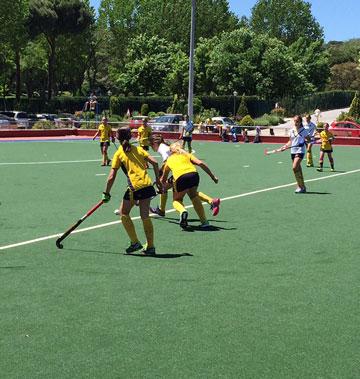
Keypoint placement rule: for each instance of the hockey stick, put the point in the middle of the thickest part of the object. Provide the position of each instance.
(269, 152)
(91, 211)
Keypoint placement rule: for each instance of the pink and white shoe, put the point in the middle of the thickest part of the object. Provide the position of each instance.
(215, 206)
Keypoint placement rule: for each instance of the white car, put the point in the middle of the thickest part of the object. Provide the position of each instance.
(7, 122)
(21, 118)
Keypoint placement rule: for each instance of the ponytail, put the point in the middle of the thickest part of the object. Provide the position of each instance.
(124, 135)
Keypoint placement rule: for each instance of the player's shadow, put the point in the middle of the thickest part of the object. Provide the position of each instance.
(194, 228)
(65, 249)
(161, 256)
(12, 267)
(317, 193)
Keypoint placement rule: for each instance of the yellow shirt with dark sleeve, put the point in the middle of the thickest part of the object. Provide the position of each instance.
(133, 165)
(144, 133)
(180, 164)
(105, 132)
(326, 138)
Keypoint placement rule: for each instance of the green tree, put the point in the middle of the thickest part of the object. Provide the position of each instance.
(243, 109)
(354, 110)
(13, 17)
(344, 76)
(286, 20)
(148, 64)
(53, 18)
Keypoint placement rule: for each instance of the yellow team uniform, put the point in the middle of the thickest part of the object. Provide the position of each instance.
(144, 133)
(180, 164)
(326, 137)
(105, 132)
(134, 166)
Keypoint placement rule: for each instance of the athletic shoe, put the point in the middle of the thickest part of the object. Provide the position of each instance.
(183, 220)
(332, 170)
(319, 169)
(117, 212)
(204, 224)
(300, 190)
(309, 165)
(134, 247)
(149, 251)
(157, 211)
(108, 162)
(215, 206)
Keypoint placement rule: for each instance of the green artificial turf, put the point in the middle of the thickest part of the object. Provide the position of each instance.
(270, 291)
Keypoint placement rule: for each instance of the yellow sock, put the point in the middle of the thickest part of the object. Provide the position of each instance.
(163, 200)
(309, 158)
(179, 206)
(204, 197)
(130, 228)
(149, 231)
(199, 209)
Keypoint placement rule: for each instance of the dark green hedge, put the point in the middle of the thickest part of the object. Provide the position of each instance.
(224, 104)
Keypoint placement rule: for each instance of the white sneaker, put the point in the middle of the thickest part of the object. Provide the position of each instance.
(117, 212)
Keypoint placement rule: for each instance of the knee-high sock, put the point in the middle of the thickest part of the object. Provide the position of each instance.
(149, 231)
(309, 158)
(179, 206)
(130, 228)
(331, 160)
(299, 178)
(163, 200)
(199, 209)
(204, 197)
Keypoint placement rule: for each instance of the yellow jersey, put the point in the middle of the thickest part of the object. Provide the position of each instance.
(105, 132)
(326, 138)
(133, 165)
(180, 164)
(144, 133)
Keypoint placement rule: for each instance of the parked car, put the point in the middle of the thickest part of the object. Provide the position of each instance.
(225, 122)
(345, 129)
(67, 120)
(136, 121)
(7, 122)
(167, 122)
(46, 116)
(21, 118)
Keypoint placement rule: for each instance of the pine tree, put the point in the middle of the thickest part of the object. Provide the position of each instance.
(355, 106)
(242, 110)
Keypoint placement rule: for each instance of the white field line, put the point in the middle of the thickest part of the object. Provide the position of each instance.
(51, 162)
(173, 210)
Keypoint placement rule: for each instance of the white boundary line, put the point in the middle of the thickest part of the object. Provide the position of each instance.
(51, 162)
(172, 210)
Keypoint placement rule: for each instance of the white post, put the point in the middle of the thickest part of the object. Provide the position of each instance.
(191, 62)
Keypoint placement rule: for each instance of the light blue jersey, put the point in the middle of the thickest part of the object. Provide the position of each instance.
(297, 138)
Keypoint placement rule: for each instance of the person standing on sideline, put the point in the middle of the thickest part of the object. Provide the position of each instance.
(132, 160)
(144, 133)
(159, 145)
(186, 133)
(296, 142)
(186, 181)
(326, 147)
(105, 132)
(310, 127)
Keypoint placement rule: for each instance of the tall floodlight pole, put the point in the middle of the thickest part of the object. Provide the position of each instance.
(191, 62)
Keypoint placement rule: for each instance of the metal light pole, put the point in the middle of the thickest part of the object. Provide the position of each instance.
(191, 62)
(234, 113)
(109, 94)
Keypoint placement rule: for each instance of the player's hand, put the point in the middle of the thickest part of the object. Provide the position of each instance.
(106, 197)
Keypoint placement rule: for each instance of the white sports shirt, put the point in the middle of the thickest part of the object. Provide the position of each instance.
(310, 128)
(164, 151)
(298, 140)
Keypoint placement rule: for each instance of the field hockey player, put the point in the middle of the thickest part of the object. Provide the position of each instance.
(186, 181)
(106, 135)
(133, 160)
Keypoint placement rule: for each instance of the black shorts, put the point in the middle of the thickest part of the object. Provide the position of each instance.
(141, 194)
(187, 181)
(146, 148)
(102, 144)
(297, 155)
(187, 139)
(326, 151)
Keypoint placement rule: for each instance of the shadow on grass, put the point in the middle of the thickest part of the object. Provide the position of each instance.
(193, 228)
(316, 193)
(166, 255)
(161, 256)
(12, 267)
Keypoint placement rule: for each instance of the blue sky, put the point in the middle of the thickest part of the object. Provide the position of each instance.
(339, 18)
